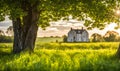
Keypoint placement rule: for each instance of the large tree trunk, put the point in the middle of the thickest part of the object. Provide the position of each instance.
(21, 42)
(25, 30)
(30, 27)
(31, 37)
(17, 28)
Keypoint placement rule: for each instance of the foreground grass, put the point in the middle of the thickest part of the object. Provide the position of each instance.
(62, 57)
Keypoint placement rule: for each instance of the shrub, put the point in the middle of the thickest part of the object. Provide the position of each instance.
(4, 39)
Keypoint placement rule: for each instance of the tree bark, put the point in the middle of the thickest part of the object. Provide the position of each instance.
(17, 28)
(25, 30)
(31, 37)
(30, 27)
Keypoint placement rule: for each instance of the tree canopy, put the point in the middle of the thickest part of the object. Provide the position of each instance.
(97, 37)
(95, 13)
(111, 36)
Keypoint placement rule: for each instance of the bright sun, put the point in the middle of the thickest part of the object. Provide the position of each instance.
(118, 12)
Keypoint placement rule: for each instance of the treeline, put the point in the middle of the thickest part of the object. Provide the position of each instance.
(6, 36)
(6, 39)
(110, 36)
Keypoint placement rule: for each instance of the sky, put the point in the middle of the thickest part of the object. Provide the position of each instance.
(60, 28)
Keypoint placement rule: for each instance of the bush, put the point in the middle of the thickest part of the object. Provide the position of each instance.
(4, 39)
(64, 38)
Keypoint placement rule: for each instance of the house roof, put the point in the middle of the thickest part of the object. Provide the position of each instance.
(78, 31)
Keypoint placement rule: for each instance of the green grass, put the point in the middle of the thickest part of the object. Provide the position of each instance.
(62, 57)
(49, 39)
(65, 46)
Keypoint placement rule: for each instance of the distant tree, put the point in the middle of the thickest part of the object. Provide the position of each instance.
(118, 39)
(56, 41)
(111, 36)
(51, 36)
(2, 33)
(96, 37)
(64, 38)
(10, 31)
(57, 36)
(4, 38)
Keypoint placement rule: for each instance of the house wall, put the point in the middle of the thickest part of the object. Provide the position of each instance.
(85, 36)
(71, 36)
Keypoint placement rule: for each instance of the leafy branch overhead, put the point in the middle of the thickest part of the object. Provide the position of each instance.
(94, 12)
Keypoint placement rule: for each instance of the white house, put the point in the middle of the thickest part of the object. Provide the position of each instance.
(78, 35)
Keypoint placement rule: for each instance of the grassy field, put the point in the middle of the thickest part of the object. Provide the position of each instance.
(62, 57)
(49, 39)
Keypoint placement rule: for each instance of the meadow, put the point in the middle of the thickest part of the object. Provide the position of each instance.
(52, 56)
